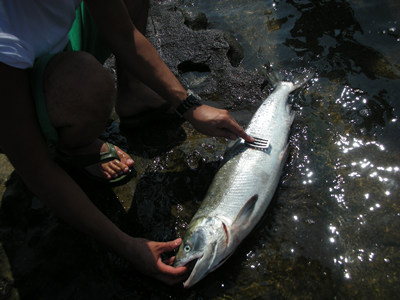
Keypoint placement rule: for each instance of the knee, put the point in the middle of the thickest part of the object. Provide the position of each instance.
(78, 75)
(78, 70)
(92, 74)
(139, 6)
(94, 81)
(138, 10)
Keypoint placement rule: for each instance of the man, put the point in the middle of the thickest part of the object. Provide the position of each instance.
(70, 101)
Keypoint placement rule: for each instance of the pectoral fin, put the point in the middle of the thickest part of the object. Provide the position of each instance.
(243, 217)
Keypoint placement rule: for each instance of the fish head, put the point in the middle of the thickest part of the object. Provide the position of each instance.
(202, 248)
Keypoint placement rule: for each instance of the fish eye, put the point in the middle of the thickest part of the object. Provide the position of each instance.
(187, 248)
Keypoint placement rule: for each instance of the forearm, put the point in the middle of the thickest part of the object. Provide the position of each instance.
(134, 51)
(140, 58)
(67, 200)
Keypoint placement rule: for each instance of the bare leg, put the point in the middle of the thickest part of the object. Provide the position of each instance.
(133, 96)
(80, 95)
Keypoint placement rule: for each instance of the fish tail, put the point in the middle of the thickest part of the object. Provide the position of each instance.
(296, 77)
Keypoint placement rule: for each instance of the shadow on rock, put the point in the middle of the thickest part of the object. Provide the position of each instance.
(154, 139)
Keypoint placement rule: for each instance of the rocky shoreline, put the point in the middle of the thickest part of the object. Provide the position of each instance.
(32, 240)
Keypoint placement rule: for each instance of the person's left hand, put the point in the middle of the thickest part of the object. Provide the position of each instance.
(145, 256)
(215, 122)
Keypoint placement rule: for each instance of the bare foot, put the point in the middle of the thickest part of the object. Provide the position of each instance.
(114, 168)
(108, 169)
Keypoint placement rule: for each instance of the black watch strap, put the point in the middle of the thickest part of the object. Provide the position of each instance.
(189, 102)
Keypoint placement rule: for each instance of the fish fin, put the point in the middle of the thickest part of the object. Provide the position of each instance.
(297, 77)
(234, 148)
(273, 76)
(301, 77)
(292, 115)
(284, 154)
(243, 217)
(232, 145)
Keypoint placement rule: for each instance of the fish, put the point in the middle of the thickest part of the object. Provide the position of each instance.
(242, 188)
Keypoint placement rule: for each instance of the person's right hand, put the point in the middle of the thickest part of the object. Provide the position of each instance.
(215, 122)
(145, 256)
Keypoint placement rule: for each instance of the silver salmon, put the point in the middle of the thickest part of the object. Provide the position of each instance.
(241, 190)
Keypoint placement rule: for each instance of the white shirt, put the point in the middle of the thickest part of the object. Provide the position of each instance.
(31, 28)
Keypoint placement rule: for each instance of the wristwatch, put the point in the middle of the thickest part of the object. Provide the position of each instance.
(191, 101)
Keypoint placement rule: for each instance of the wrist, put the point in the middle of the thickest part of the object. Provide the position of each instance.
(190, 103)
(124, 244)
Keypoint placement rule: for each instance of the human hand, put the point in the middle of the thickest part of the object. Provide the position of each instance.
(145, 256)
(215, 122)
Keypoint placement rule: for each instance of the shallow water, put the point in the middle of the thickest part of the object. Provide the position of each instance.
(331, 230)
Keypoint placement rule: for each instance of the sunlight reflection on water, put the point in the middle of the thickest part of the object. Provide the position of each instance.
(337, 213)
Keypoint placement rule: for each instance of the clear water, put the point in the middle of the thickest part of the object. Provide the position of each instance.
(333, 228)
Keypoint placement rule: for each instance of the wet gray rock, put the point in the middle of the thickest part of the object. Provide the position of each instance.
(204, 60)
(195, 21)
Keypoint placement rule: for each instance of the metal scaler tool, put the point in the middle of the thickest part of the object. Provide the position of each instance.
(259, 143)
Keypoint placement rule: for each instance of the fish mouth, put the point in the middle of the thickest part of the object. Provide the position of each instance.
(190, 265)
(200, 267)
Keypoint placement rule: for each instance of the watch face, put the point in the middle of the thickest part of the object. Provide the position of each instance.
(189, 102)
(192, 100)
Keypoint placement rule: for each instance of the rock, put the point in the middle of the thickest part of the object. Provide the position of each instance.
(196, 22)
(204, 60)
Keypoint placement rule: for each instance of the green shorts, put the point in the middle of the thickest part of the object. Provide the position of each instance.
(83, 37)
